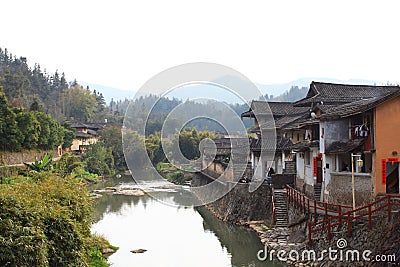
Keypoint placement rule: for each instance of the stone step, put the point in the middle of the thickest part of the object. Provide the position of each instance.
(281, 208)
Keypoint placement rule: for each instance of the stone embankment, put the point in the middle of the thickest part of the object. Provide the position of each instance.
(240, 206)
(18, 158)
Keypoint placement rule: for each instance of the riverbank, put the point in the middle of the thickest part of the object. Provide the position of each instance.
(287, 244)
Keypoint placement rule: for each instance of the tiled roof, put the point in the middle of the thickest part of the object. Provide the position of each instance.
(93, 126)
(359, 106)
(279, 144)
(331, 93)
(83, 135)
(304, 146)
(78, 125)
(92, 132)
(277, 109)
(299, 123)
(283, 113)
(288, 121)
(343, 147)
(225, 145)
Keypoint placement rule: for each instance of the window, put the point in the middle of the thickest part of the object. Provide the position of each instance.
(307, 159)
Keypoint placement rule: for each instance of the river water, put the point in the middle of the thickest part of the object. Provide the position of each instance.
(172, 236)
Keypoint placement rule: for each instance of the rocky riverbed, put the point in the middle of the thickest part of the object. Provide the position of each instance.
(280, 239)
(132, 191)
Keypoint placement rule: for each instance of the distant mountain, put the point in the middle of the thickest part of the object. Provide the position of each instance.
(278, 90)
(109, 92)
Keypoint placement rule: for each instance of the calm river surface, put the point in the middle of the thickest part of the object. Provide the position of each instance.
(172, 236)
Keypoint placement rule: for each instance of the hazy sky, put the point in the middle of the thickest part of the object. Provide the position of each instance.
(124, 43)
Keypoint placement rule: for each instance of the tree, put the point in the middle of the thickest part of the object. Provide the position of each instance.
(29, 127)
(40, 165)
(80, 104)
(51, 133)
(99, 159)
(35, 106)
(69, 135)
(189, 141)
(10, 135)
(154, 148)
(112, 138)
(133, 149)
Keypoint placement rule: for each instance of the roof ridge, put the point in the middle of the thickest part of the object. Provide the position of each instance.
(351, 84)
(267, 101)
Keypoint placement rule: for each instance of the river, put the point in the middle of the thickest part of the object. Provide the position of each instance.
(172, 236)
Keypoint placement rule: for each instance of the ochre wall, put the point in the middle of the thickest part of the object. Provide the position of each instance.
(387, 137)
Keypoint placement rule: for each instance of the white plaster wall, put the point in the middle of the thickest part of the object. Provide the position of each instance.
(309, 175)
(300, 167)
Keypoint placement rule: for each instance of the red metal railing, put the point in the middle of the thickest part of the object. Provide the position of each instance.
(338, 214)
(349, 216)
(312, 206)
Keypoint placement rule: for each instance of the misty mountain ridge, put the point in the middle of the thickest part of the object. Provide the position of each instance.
(277, 90)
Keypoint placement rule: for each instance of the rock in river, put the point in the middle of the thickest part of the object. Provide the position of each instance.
(140, 250)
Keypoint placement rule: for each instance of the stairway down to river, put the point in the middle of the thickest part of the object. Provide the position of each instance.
(317, 192)
(281, 208)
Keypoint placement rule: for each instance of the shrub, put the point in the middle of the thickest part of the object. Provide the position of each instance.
(44, 222)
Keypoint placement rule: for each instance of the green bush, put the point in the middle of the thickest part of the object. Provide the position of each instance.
(67, 164)
(44, 223)
(98, 159)
(177, 177)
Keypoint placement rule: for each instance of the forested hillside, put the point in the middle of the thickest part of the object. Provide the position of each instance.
(293, 94)
(28, 88)
(51, 93)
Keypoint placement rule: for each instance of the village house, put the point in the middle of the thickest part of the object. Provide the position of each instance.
(216, 158)
(85, 134)
(320, 134)
(278, 116)
(348, 124)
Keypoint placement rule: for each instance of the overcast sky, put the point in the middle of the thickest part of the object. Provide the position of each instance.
(124, 43)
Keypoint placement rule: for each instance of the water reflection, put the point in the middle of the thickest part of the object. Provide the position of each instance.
(173, 236)
(242, 243)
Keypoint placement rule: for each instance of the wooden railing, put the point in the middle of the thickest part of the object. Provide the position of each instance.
(273, 210)
(312, 206)
(349, 216)
(335, 214)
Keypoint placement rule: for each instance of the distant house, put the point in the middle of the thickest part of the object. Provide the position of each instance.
(85, 134)
(216, 158)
